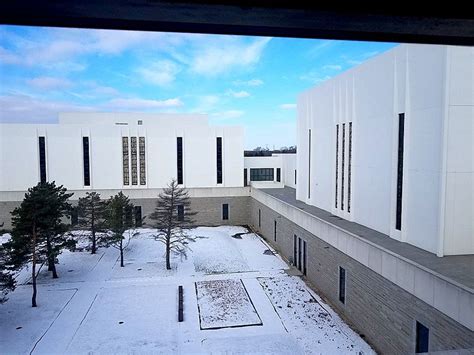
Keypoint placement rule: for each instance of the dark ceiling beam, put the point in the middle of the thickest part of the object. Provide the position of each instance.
(391, 22)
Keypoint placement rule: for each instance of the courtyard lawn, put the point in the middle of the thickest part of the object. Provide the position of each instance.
(98, 307)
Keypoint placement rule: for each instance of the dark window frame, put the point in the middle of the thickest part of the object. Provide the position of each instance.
(309, 163)
(180, 209)
(262, 174)
(86, 161)
(42, 158)
(225, 211)
(342, 284)
(349, 170)
(400, 150)
(259, 218)
(278, 174)
(179, 159)
(245, 177)
(219, 159)
(337, 165)
(142, 156)
(275, 230)
(342, 163)
(125, 161)
(295, 251)
(422, 338)
(137, 214)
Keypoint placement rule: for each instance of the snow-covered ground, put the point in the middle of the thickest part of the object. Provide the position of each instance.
(98, 307)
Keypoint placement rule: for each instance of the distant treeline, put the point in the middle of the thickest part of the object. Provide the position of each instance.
(265, 152)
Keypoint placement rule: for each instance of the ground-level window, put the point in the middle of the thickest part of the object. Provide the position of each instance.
(180, 213)
(295, 176)
(138, 216)
(259, 217)
(275, 231)
(279, 174)
(74, 216)
(225, 211)
(342, 284)
(245, 177)
(422, 338)
(299, 254)
(263, 174)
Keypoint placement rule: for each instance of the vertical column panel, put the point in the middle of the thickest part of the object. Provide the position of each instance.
(142, 155)
(125, 161)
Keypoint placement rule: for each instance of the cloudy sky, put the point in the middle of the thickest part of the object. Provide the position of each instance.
(237, 80)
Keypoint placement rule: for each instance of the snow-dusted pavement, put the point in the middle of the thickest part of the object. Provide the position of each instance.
(98, 307)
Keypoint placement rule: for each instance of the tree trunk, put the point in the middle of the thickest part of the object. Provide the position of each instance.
(168, 249)
(55, 274)
(121, 253)
(33, 268)
(94, 248)
(49, 251)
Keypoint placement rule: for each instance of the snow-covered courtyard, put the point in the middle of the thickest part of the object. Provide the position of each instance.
(238, 299)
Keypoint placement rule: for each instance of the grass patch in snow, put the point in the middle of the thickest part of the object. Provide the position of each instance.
(225, 303)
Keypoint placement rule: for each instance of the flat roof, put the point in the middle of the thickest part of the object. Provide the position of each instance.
(459, 268)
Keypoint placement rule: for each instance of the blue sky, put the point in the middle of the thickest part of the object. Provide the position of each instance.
(237, 80)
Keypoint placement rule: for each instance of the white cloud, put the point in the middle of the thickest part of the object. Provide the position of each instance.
(238, 94)
(229, 114)
(251, 82)
(332, 67)
(24, 108)
(49, 83)
(143, 104)
(224, 56)
(160, 73)
(206, 103)
(288, 106)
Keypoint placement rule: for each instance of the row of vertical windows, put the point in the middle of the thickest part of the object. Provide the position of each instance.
(125, 161)
(219, 159)
(263, 174)
(141, 152)
(133, 155)
(342, 167)
(134, 159)
(342, 163)
(42, 158)
(299, 253)
(86, 161)
(179, 160)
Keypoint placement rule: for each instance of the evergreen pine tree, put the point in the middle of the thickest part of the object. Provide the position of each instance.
(7, 281)
(91, 211)
(172, 217)
(118, 219)
(39, 234)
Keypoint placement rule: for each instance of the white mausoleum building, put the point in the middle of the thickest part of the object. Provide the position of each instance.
(376, 209)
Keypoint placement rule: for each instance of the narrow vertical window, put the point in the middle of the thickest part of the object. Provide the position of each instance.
(179, 148)
(225, 211)
(304, 257)
(337, 163)
(349, 169)
(85, 161)
(342, 284)
(309, 163)
(299, 255)
(259, 217)
(219, 159)
(245, 177)
(342, 163)
(133, 154)
(42, 158)
(125, 161)
(141, 153)
(295, 176)
(401, 132)
(137, 210)
(275, 231)
(295, 247)
(180, 212)
(422, 338)
(279, 174)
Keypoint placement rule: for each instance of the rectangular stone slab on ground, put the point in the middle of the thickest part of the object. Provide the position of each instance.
(225, 303)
